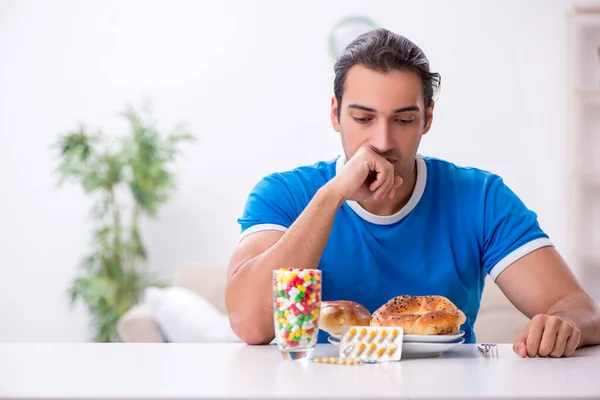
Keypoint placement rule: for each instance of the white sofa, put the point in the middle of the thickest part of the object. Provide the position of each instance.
(498, 321)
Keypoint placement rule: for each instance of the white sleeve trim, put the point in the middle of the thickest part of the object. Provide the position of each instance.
(517, 254)
(260, 228)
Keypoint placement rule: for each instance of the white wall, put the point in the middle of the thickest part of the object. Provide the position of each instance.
(253, 80)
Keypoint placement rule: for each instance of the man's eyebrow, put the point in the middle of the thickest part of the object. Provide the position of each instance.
(396, 111)
(364, 108)
(405, 109)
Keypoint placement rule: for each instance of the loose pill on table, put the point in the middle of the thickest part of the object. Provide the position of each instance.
(334, 360)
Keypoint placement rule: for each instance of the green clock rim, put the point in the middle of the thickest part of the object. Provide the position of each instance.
(354, 18)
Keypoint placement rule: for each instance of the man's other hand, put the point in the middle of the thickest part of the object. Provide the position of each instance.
(547, 336)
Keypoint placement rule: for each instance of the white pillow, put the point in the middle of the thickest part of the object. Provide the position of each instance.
(185, 317)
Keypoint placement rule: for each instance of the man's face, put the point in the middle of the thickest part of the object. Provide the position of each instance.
(384, 111)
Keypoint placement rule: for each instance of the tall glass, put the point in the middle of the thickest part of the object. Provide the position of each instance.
(296, 310)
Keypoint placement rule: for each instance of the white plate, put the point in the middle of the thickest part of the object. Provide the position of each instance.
(433, 338)
(423, 338)
(415, 349)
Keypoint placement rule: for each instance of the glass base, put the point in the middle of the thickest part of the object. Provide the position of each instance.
(296, 355)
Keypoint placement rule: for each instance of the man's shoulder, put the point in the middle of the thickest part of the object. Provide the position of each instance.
(306, 178)
(319, 169)
(465, 176)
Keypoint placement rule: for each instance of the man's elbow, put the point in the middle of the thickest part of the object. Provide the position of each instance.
(250, 332)
(249, 321)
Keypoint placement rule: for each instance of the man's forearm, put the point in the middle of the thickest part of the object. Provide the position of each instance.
(301, 246)
(303, 243)
(583, 312)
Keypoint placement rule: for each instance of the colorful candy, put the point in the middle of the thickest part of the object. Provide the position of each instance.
(296, 307)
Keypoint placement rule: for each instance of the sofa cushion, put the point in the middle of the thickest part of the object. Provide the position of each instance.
(185, 317)
(138, 326)
(206, 281)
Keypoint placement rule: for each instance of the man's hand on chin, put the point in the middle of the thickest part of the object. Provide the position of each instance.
(548, 336)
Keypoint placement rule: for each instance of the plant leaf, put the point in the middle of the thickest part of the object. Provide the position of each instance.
(128, 173)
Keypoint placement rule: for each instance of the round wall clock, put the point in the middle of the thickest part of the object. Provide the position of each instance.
(346, 31)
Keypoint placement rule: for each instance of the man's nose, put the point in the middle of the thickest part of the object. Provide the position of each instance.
(381, 139)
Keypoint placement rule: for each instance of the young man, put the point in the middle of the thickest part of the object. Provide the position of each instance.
(383, 221)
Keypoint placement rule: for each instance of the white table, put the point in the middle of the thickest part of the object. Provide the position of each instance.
(177, 371)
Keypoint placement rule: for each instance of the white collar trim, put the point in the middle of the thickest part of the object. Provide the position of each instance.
(412, 202)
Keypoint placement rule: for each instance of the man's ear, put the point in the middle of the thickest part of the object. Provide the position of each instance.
(429, 117)
(335, 121)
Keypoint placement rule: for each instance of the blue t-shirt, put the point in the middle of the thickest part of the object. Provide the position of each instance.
(459, 225)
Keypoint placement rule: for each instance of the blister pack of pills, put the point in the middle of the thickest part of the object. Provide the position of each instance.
(371, 343)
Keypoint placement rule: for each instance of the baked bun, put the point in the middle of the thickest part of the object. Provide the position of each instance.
(335, 314)
(420, 315)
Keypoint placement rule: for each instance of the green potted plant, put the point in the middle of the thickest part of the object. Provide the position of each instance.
(128, 177)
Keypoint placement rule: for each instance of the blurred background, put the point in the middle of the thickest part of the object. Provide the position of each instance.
(252, 81)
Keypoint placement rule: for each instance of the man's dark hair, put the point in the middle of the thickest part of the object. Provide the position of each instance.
(385, 51)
